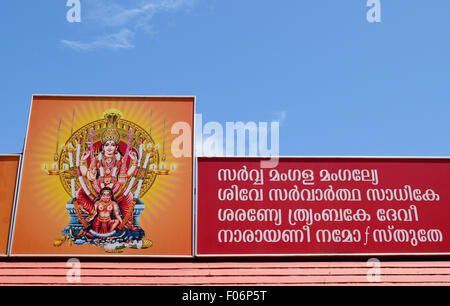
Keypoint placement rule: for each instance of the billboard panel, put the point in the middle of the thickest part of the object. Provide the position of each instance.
(99, 178)
(323, 206)
(9, 165)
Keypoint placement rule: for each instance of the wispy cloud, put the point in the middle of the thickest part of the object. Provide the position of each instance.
(120, 40)
(113, 13)
(125, 18)
(281, 116)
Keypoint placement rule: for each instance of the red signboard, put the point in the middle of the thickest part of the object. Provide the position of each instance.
(323, 206)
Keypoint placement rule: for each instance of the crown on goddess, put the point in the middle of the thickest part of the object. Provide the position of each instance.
(111, 133)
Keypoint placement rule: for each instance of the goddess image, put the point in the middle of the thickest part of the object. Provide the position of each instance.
(106, 167)
(104, 206)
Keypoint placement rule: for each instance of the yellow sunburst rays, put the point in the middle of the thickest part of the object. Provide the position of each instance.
(49, 188)
(161, 196)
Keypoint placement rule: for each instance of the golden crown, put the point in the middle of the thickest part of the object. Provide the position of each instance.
(111, 116)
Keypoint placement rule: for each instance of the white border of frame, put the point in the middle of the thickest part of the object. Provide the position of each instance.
(319, 255)
(10, 240)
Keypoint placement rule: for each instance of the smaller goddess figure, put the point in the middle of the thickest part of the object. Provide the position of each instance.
(105, 206)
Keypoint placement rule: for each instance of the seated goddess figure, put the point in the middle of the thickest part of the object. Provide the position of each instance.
(105, 206)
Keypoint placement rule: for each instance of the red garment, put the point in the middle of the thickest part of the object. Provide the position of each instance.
(102, 227)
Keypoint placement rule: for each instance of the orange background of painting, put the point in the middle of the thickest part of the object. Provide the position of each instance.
(167, 217)
(8, 175)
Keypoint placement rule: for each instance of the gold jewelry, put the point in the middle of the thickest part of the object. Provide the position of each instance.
(104, 219)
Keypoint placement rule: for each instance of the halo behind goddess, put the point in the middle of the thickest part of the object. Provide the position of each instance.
(109, 153)
(111, 127)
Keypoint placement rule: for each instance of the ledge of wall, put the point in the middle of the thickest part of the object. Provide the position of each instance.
(226, 273)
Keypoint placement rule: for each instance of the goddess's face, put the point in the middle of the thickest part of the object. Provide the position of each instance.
(106, 196)
(109, 148)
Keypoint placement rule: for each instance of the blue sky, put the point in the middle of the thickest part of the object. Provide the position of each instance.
(339, 84)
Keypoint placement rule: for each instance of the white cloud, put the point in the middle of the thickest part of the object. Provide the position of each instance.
(112, 14)
(120, 40)
(128, 17)
(119, 13)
